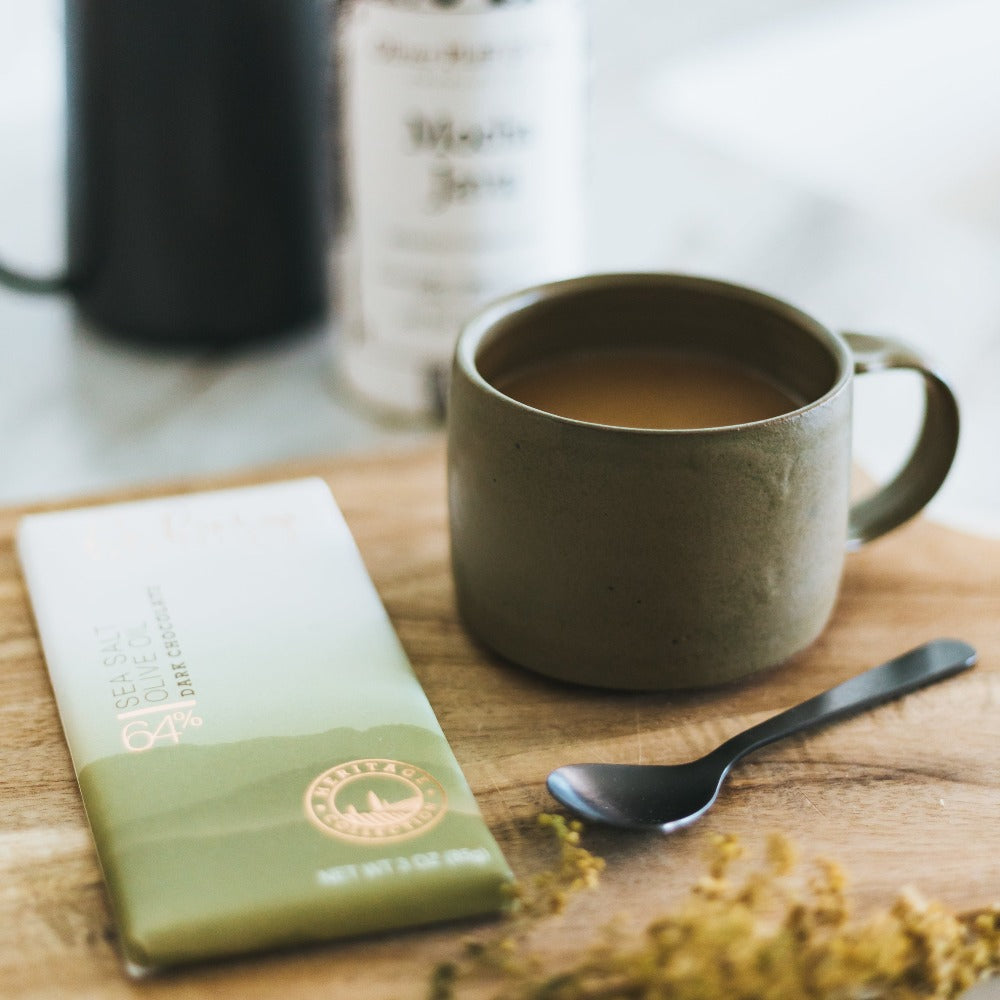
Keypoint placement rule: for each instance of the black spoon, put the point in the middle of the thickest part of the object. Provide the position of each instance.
(667, 797)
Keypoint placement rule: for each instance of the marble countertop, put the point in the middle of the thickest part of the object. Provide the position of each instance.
(675, 185)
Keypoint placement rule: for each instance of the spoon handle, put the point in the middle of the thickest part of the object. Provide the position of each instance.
(926, 664)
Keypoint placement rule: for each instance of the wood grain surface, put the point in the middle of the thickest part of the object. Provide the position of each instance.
(907, 794)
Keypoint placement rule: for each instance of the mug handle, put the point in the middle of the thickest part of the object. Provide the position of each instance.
(33, 283)
(926, 468)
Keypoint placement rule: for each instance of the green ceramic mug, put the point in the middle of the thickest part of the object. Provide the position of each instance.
(665, 558)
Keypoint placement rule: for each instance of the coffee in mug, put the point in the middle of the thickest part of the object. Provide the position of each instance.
(652, 389)
(674, 547)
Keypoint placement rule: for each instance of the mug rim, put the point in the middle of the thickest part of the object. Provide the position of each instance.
(476, 332)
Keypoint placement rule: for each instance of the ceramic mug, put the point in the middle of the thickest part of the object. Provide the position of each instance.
(660, 559)
(196, 170)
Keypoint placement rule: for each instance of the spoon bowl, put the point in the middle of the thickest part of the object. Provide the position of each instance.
(620, 794)
(668, 797)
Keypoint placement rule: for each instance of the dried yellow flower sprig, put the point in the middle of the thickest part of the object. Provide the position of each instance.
(578, 869)
(767, 935)
(545, 895)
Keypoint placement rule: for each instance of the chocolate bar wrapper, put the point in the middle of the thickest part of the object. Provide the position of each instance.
(259, 764)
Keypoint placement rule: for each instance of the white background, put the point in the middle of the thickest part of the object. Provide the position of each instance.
(844, 154)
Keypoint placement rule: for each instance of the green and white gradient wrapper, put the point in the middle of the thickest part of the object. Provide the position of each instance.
(259, 764)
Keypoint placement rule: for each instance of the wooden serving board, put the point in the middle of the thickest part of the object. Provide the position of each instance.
(907, 794)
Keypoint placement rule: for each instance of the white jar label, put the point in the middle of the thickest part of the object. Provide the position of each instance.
(464, 159)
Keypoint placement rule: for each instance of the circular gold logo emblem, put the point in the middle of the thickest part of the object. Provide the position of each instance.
(375, 801)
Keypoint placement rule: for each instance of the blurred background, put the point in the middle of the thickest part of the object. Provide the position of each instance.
(843, 154)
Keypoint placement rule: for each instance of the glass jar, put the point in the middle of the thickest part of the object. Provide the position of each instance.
(461, 142)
